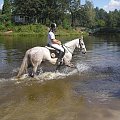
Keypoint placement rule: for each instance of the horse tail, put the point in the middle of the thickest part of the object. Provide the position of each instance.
(24, 65)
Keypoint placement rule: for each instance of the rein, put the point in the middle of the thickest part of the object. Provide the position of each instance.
(68, 48)
(80, 43)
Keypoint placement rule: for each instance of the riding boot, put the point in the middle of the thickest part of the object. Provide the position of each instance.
(60, 56)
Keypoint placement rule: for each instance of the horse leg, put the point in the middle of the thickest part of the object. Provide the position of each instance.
(69, 64)
(54, 61)
(34, 69)
(59, 65)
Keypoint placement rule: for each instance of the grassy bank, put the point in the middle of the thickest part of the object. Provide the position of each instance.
(38, 29)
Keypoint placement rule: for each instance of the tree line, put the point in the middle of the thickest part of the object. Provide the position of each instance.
(67, 13)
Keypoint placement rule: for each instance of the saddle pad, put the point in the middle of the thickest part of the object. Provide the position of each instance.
(50, 48)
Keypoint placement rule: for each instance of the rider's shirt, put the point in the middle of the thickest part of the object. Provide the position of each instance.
(51, 36)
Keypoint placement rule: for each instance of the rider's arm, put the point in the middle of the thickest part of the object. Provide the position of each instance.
(55, 41)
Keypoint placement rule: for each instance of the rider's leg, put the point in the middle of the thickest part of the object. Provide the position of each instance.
(60, 56)
(61, 53)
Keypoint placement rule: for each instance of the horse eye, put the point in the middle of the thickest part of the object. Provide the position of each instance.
(81, 43)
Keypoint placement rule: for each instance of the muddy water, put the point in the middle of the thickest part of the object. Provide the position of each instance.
(89, 92)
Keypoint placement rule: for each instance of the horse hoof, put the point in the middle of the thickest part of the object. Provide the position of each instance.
(71, 65)
(31, 75)
(59, 63)
(38, 72)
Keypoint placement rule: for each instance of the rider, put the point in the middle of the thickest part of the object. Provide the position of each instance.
(53, 42)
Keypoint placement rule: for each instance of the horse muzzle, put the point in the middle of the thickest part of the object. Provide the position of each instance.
(83, 51)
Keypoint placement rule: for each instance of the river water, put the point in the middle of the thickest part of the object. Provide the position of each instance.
(89, 92)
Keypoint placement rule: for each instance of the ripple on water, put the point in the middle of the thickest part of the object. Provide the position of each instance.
(102, 90)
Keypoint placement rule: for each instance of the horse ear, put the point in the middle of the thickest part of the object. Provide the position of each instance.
(81, 37)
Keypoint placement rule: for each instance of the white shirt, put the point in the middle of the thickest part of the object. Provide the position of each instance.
(51, 36)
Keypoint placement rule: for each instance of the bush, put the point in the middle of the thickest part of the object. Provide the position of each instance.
(2, 27)
(66, 24)
(32, 28)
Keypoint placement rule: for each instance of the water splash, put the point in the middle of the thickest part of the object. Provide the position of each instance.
(51, 75)
(44, 76)
(82, 67)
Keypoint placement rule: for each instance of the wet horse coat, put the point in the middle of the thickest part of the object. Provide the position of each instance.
(36, 55)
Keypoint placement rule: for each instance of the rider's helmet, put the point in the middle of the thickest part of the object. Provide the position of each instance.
(53, 26)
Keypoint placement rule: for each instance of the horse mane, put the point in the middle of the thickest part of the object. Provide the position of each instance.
(71, 42)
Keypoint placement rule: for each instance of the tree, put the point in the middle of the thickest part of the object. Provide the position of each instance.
(86, 15)
(74, 7)
(82, 17)
(100, 17)
(113, 19)
(6, 14)
(118, 24)
(0, 12)
(43, 11)
(26, 8)
(90, 12)
(6, 7)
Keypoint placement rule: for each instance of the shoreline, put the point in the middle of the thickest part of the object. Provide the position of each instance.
(11, 33)
(40, 30)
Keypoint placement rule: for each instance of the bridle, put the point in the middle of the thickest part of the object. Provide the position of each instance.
(80, 44)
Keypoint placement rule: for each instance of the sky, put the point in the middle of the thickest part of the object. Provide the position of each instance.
(108, 5)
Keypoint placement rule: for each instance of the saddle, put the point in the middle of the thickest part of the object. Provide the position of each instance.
(54, 52)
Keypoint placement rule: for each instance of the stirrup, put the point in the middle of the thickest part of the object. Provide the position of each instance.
(59, 62)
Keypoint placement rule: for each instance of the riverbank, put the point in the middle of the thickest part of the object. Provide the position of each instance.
(39, 30)
(104, 30)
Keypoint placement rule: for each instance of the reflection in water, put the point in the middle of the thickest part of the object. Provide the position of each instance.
(89, 92)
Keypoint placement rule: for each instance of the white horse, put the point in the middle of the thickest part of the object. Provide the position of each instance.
(36, 55)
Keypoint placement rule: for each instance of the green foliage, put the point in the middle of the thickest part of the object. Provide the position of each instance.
(37, 28)
(100, 23)
(86, 15)
(113, 19)
(66, 24)
(0, 11)
(90, 14)
(5, 16)
(66, 32)
(101, 17)
(2, 27)
(74, 7)
(41, 10)
(65, 13)
(6, 8)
